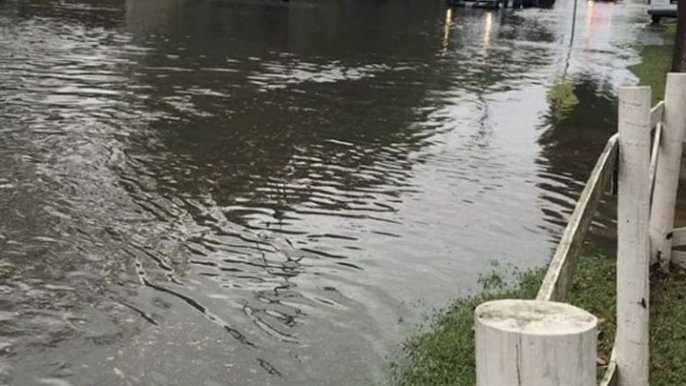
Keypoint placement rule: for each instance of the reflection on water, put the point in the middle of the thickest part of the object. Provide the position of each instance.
(488, 30)
(446, 30)
(225, 192)
(561, 99)
(587, 124)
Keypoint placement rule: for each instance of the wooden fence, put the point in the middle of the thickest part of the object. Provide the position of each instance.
(544, 342)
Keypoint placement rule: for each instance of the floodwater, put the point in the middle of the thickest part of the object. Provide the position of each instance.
(253, 192)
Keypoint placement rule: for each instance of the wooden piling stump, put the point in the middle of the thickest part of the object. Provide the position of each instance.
(535, 343)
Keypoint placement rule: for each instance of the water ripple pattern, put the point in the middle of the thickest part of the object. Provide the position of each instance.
(241, 193)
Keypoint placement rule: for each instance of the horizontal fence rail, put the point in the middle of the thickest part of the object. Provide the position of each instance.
(655, 155)
(558, 278)
(611, 377)
(679, 237)
(679, 240)
(657, 112)
(656, 115)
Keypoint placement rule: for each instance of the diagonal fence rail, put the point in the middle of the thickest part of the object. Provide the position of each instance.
(648, 177)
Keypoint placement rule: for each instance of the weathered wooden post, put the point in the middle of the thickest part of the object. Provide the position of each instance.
(668, 169)
(534, 343)
(633, 251)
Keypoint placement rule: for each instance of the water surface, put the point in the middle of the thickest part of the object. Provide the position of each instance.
(233, 192)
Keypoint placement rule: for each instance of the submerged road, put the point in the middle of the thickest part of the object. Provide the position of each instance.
(261, 193)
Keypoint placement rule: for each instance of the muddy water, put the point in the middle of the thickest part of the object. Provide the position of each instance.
(265, 193)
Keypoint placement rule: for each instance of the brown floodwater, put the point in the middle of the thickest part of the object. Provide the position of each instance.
(254, 192)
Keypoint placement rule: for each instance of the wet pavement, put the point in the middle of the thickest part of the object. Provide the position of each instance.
(264, 193)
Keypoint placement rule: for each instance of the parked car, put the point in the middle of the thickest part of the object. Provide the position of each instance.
(491, 4)
(495, 4)
(659, 11)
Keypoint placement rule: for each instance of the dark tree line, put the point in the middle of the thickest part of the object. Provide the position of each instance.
(679, 57)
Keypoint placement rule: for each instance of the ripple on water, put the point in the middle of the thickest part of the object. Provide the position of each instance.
(175, 180)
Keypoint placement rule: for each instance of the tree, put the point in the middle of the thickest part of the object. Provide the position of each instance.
(679, 56)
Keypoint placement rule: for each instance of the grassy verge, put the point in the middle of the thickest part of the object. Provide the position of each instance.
(652, 71)
(444, 355)
(656, 61)
(668, 329)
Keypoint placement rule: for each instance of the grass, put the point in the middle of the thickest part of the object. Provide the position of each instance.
(444, 354)
(656, 61)
(668, 329)
(670, 31)
(653, 69)
(594, 289)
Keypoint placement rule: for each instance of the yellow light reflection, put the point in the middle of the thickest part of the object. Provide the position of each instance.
(446, 31)
(488, 30)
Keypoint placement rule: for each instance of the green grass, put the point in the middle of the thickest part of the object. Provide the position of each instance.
(668, 329)
(594, 289)
(656, 61)
(444, 354)
(669, 33)
(653, 69)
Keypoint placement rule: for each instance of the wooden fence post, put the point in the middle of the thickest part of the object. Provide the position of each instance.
(668, 169)
(534, 343)
(633, 251)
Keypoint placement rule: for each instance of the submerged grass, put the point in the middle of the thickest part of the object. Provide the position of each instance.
(444, 355)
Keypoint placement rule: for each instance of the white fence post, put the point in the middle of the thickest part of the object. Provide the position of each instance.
(534, 343)
(633, 251)
(668, 169)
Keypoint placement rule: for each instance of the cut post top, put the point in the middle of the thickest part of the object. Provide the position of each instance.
(535, 317)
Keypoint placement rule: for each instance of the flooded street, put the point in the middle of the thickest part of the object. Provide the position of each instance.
(253, 192)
